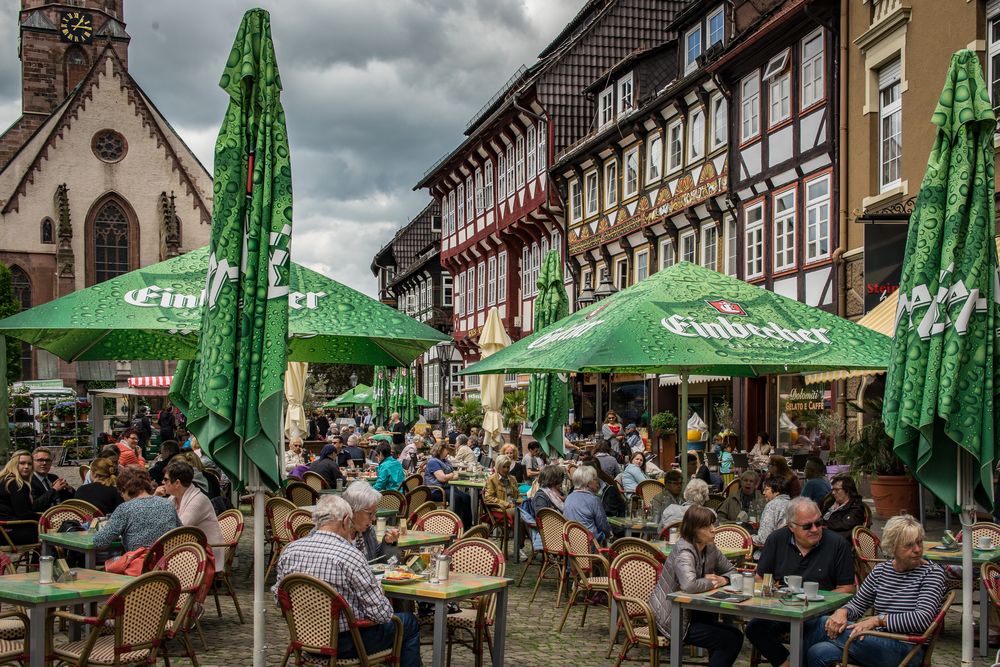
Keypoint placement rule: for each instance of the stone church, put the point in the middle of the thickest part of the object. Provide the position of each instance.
(94, 182)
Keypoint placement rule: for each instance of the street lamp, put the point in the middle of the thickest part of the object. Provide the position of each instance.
(444, 389)
(585, 298)
(354, 379)
(605, 289)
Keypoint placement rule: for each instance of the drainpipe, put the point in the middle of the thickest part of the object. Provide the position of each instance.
(842, 171)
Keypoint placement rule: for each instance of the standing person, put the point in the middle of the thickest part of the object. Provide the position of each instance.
(760, 454)
(534, 460)
(817, 487)
(805, 549)
(633, 440)
(438, 472)
(390, 470)
(167, 423)
(409, 455)
(695, 565)
(47, 489)
(129, 452)
(143, 427)
(611, 431)
(193, 507)
(322, 425)
(102, 492)
(583, 505)
(15, 498)
(398, 430)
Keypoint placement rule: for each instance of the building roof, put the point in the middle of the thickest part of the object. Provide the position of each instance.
(625, 63)
(758, 32)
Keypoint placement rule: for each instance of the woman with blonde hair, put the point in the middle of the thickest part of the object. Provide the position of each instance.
(15, 498)
(101, 491)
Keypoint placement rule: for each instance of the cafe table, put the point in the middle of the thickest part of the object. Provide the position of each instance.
(23, 589)
(793, 611)
(421, 538)
(634, 525)
(938, 553)
(457, 587)
(474, 486)
(80, 541)
(384, 513)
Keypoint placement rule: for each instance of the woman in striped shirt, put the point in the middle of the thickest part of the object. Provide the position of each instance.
(906, 594)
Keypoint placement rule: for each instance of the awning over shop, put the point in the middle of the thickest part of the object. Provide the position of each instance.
(672, 380)
(151, 385)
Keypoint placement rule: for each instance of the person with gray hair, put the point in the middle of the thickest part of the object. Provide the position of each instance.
(330, 555)
(745, 502)
(696, 493)
(355, 455)
(583, 505)
(463, 453)
(364, 499)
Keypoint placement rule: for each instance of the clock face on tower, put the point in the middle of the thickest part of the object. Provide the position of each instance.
(76, 26)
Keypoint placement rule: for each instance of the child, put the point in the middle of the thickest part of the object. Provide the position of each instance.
(726, 462)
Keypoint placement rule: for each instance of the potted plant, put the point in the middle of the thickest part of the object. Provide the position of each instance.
(724, 417)
(870, 453)
(664, 424)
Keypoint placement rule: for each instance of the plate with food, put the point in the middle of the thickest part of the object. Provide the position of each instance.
(398, 577)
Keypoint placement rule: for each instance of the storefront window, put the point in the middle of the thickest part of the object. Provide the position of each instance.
(629, 400)
(799, 408)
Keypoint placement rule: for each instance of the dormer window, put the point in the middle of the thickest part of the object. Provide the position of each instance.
(716, 27)
(606, 106)
(625, 98)
(692, 48)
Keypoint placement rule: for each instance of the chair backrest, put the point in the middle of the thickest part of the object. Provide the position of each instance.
(440, 522)
(579, 544)
(933, 631)
(411, 482)
(799, 461)
(867, 544)
(478, 556)
(277, 511)
(741, 461)
(479, 530)
(393, 500)
(648, 489)
(422, 494)
(172, 539)
(139, 613)
(312, 610)
(635, 545)
(731, 488)
(714, 501)
(314, 480)
(6, 565)
(633, 575)
(83, 505)
(55, 516)
(231, 523)
(550, 528)
(712, 459)
(296, 519)
(301, 494)
(421, 510)
(982, 529)
(83, 470)
(188, 562)
(732, 537)
(302, 530)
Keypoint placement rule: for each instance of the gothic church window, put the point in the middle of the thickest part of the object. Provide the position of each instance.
(48, 231)
(111, 242)
(109, 146)
(20, 284)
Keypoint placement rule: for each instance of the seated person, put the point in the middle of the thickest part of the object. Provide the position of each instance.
(696, 493)
(672, 493)
(15, 498)
(390, 470)
(634, 472)
(773, 516)
(516, 468)
(326, 466)
(847, 510)
(355, 454)
(695, 565)
(583, 505)
(501, 494)
(817, 486)
(906, 594)
(547, 495)
(463, 453)
(101, 492)
(193, 507)
(142, 519)
(805, 549)
(47, 489)
(363, 500)
(745, 504)
(330, 554)
(438, 473)
(168, 450)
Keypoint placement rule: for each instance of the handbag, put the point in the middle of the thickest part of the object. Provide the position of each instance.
(129, 563)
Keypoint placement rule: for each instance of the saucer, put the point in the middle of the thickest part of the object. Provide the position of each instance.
(816, 598)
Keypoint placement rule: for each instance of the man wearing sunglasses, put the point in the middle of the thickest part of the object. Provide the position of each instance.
(805, 549)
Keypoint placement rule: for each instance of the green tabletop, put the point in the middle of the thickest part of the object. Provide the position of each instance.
(25, 588)
(458, 585)
(954, 554)
(665, 548)
(632, 524)
(386, 513)
(772, 608)
(78, 540)
(421, 538)
(469, 483)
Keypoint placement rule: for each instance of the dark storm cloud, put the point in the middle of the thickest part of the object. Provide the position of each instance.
(375, 91)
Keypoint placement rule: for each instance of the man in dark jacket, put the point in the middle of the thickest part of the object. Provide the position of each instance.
(326, 465)
(322, 425)
(143, 427)
(46, 489)
(167, 422)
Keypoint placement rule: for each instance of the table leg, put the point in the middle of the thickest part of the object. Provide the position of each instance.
(984, 620)
(675, 631)
(36, 635)
(440, 632)
(614, 619)
(46, 548)
(517, 536)
(500, 627)
(451, 500)
(474, 492)
(795, 645)
(90, 559)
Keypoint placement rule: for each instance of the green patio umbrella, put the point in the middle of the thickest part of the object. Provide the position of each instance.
(155, 313)
(942, 380)
(402, 397)
(548, 393)
(381, 389)
(687, 319)
(358, 395)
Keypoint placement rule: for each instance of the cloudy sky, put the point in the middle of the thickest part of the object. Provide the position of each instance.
(375, 91)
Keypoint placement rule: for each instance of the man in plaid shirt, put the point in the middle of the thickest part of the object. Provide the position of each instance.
(329, 554)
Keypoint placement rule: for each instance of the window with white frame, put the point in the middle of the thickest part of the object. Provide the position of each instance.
(511, 187)
(692, 48)
(470, 291)
(501, 175)
(993, 57)
(488, 186)
(491, 290)
(720, 122)
(536, 262)
(621, 273)
(779, 95)
(675, 146)
(696, 135)
(716, 27)
(470, 193)
(631, 172)
(575, 200)
(641, 265)
(447, 290)
(730, 227)
(530, 146)
(611, 184)
(593, 198)
(520, 161)
(818, 218)
(544, 251)
(625, 96)
(543, 154)
(479, 191)
(606, 107)
(445, 223)
(710, 247)
(525, 270)
(460, 197)
(451, 210)
(890, 125)
(481, 285)
(754, 230)
(667, 256)
(502, 277)
(687, 242)
(784, 231)
(749, 107)
(812, 70)
(654, 157)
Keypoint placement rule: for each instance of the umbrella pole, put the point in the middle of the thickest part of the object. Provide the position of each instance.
(967, 505)
(259, 649)
(682, 437)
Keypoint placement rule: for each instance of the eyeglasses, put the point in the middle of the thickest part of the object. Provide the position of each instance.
(819, 523)
(43, 460)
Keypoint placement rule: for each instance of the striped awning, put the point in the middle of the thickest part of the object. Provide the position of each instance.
(151, 381)
(671, 380)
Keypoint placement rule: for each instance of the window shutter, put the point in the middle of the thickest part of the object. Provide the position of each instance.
(890, 74)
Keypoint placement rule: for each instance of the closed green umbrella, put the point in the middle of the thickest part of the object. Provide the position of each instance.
(942, 380)
(548, 393)
(381, 390)
(403, 397)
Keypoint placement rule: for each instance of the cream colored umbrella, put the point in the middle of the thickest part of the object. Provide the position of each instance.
(296, 423)
(492, 340)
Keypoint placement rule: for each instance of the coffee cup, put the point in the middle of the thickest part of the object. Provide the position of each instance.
(811, 589)
(794, 583)
(736, 581)
(748, 583)
(986, 542)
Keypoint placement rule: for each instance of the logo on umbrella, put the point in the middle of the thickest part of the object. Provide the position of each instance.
(727, 307)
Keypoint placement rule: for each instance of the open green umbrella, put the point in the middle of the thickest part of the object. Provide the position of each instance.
(358, 395)
(155, 313)
(690, 320)
(942, 380)
(548, 393)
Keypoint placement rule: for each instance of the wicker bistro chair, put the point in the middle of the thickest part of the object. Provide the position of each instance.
(479, 530)
(867, 551)
(411, 482)
(314, 480)
(425, 494)
(13, 627)
(83, 505)
(277, 511)
(731, 488)
(482, 557)
(585, 562)
(633, 577)
(172, 539)
(420, 511)
(137, 613)
(52, 518)
(634, 545)
(550, 527)
(231, 523)
(188, 562)
(393, 500)
(296, 520)
(312, 610)
(302, 530)
(440, 522)
(990, 574)
(19, 554)
(301, 494)
(928, 640)
(733, 537)
(982, 529)
(648, 489)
